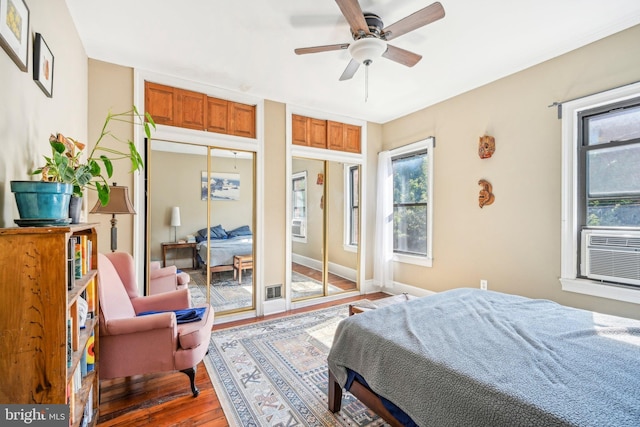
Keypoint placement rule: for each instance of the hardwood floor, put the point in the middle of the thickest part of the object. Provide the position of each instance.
(341, 282)
(164, 399)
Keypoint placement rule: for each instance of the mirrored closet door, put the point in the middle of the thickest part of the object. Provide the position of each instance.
(324, 227)
(200, 204)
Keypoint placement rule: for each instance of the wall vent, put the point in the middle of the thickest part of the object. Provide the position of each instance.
(274, 292)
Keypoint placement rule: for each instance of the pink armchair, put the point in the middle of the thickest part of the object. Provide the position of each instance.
(165, 279)
(131, 344)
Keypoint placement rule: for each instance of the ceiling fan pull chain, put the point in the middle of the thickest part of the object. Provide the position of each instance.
(366, 83)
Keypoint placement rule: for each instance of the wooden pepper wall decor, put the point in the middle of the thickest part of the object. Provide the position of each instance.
(486, 146)
(486, 196)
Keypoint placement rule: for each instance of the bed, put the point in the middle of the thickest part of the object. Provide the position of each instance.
(468, 357)
(223, 246)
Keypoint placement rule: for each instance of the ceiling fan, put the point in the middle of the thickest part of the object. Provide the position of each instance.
(371, 36)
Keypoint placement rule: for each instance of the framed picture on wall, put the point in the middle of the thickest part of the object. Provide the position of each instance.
(14, 31)
(43, 65)
(224, 186)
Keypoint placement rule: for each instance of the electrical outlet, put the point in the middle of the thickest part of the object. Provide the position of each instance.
(483, 285)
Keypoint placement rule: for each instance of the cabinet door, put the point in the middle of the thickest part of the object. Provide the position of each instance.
(217, 115)
(242, 120)
(317, 135)
(191, 109)
(159, 101)
(299, 130)
(335, 135)
(351, 137)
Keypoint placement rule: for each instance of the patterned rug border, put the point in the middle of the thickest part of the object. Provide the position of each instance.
(267, 326)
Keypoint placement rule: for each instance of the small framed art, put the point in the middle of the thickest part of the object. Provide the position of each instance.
(43, 65)
(14, 31)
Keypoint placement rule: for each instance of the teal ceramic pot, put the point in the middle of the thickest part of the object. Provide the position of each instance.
(42, 200)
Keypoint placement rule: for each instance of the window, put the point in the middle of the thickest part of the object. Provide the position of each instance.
(609, 156)
(352, 204)
(299, 203)
(412, 202)
(601, 193)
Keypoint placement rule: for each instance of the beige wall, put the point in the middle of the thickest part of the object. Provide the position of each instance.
(514, 243)
(27, 116)
(111, 89)
(274, 198)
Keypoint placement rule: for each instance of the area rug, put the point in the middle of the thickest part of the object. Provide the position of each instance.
(274, 373)
(228, 294)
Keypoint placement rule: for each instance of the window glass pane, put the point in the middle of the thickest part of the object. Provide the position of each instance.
(410, 229)
(613, 213)
(617, 125)
(410, 179)
(613, 171)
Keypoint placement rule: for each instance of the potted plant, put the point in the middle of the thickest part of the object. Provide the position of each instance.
(67, 165)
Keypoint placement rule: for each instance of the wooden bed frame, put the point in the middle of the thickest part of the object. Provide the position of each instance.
(364, 395)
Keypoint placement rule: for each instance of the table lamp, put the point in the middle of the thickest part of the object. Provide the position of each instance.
(175, 221)
(118, 204)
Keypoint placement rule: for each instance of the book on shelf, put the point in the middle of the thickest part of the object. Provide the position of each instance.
(71, 260)
(69, 347)
(78, 256)
(90, 353)
(91, 298)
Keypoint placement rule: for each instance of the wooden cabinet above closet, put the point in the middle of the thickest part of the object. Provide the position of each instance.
(318, 133)
(194, 110)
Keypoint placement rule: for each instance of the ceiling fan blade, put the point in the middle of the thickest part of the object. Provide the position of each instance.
(401, 56)
(351, 69)
(418, 19)
(316, 49)
(354, 16)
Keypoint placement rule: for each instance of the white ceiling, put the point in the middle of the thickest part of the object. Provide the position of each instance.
(247, 45)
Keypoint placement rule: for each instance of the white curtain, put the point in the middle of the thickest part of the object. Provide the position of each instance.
(383, 254)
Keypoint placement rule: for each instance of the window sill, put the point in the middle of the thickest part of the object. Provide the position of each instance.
(413, 259)
(599, 289)
(350, 248)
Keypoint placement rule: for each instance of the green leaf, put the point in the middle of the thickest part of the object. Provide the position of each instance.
(107, 165)
(103, 193)
(58, 147)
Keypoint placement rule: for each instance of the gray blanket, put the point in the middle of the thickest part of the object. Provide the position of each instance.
(223, 250)
(479, 358)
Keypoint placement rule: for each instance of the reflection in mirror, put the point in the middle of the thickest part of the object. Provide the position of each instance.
(315, 252)
(178, 179)
(307, 228)
(230, 246)
(342, 226)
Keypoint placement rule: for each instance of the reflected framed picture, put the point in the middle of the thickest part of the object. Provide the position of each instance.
(224, 186)
(43, 65)
(14, 31)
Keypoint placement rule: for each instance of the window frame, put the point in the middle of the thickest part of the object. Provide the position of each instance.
(571, 196)
(349, 206)
(407, 150)
(299, 176)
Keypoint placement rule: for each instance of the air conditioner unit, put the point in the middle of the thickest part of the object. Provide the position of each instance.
(298, 228)
(611, 255)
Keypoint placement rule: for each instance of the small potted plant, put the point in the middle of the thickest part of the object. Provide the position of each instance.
(67, 167)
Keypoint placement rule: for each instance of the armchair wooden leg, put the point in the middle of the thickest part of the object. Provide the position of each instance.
(191, 373)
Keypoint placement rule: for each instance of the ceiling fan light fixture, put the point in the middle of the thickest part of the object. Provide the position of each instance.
(368, 49)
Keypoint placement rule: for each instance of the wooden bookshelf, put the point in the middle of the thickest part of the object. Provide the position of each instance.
(38, 297)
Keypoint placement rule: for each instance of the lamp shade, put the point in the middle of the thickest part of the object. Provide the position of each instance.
(119, 202)
(175, 216)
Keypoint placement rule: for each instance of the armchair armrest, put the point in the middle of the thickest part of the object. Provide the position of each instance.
(173, 300)
(171, 270)
(132, 325)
